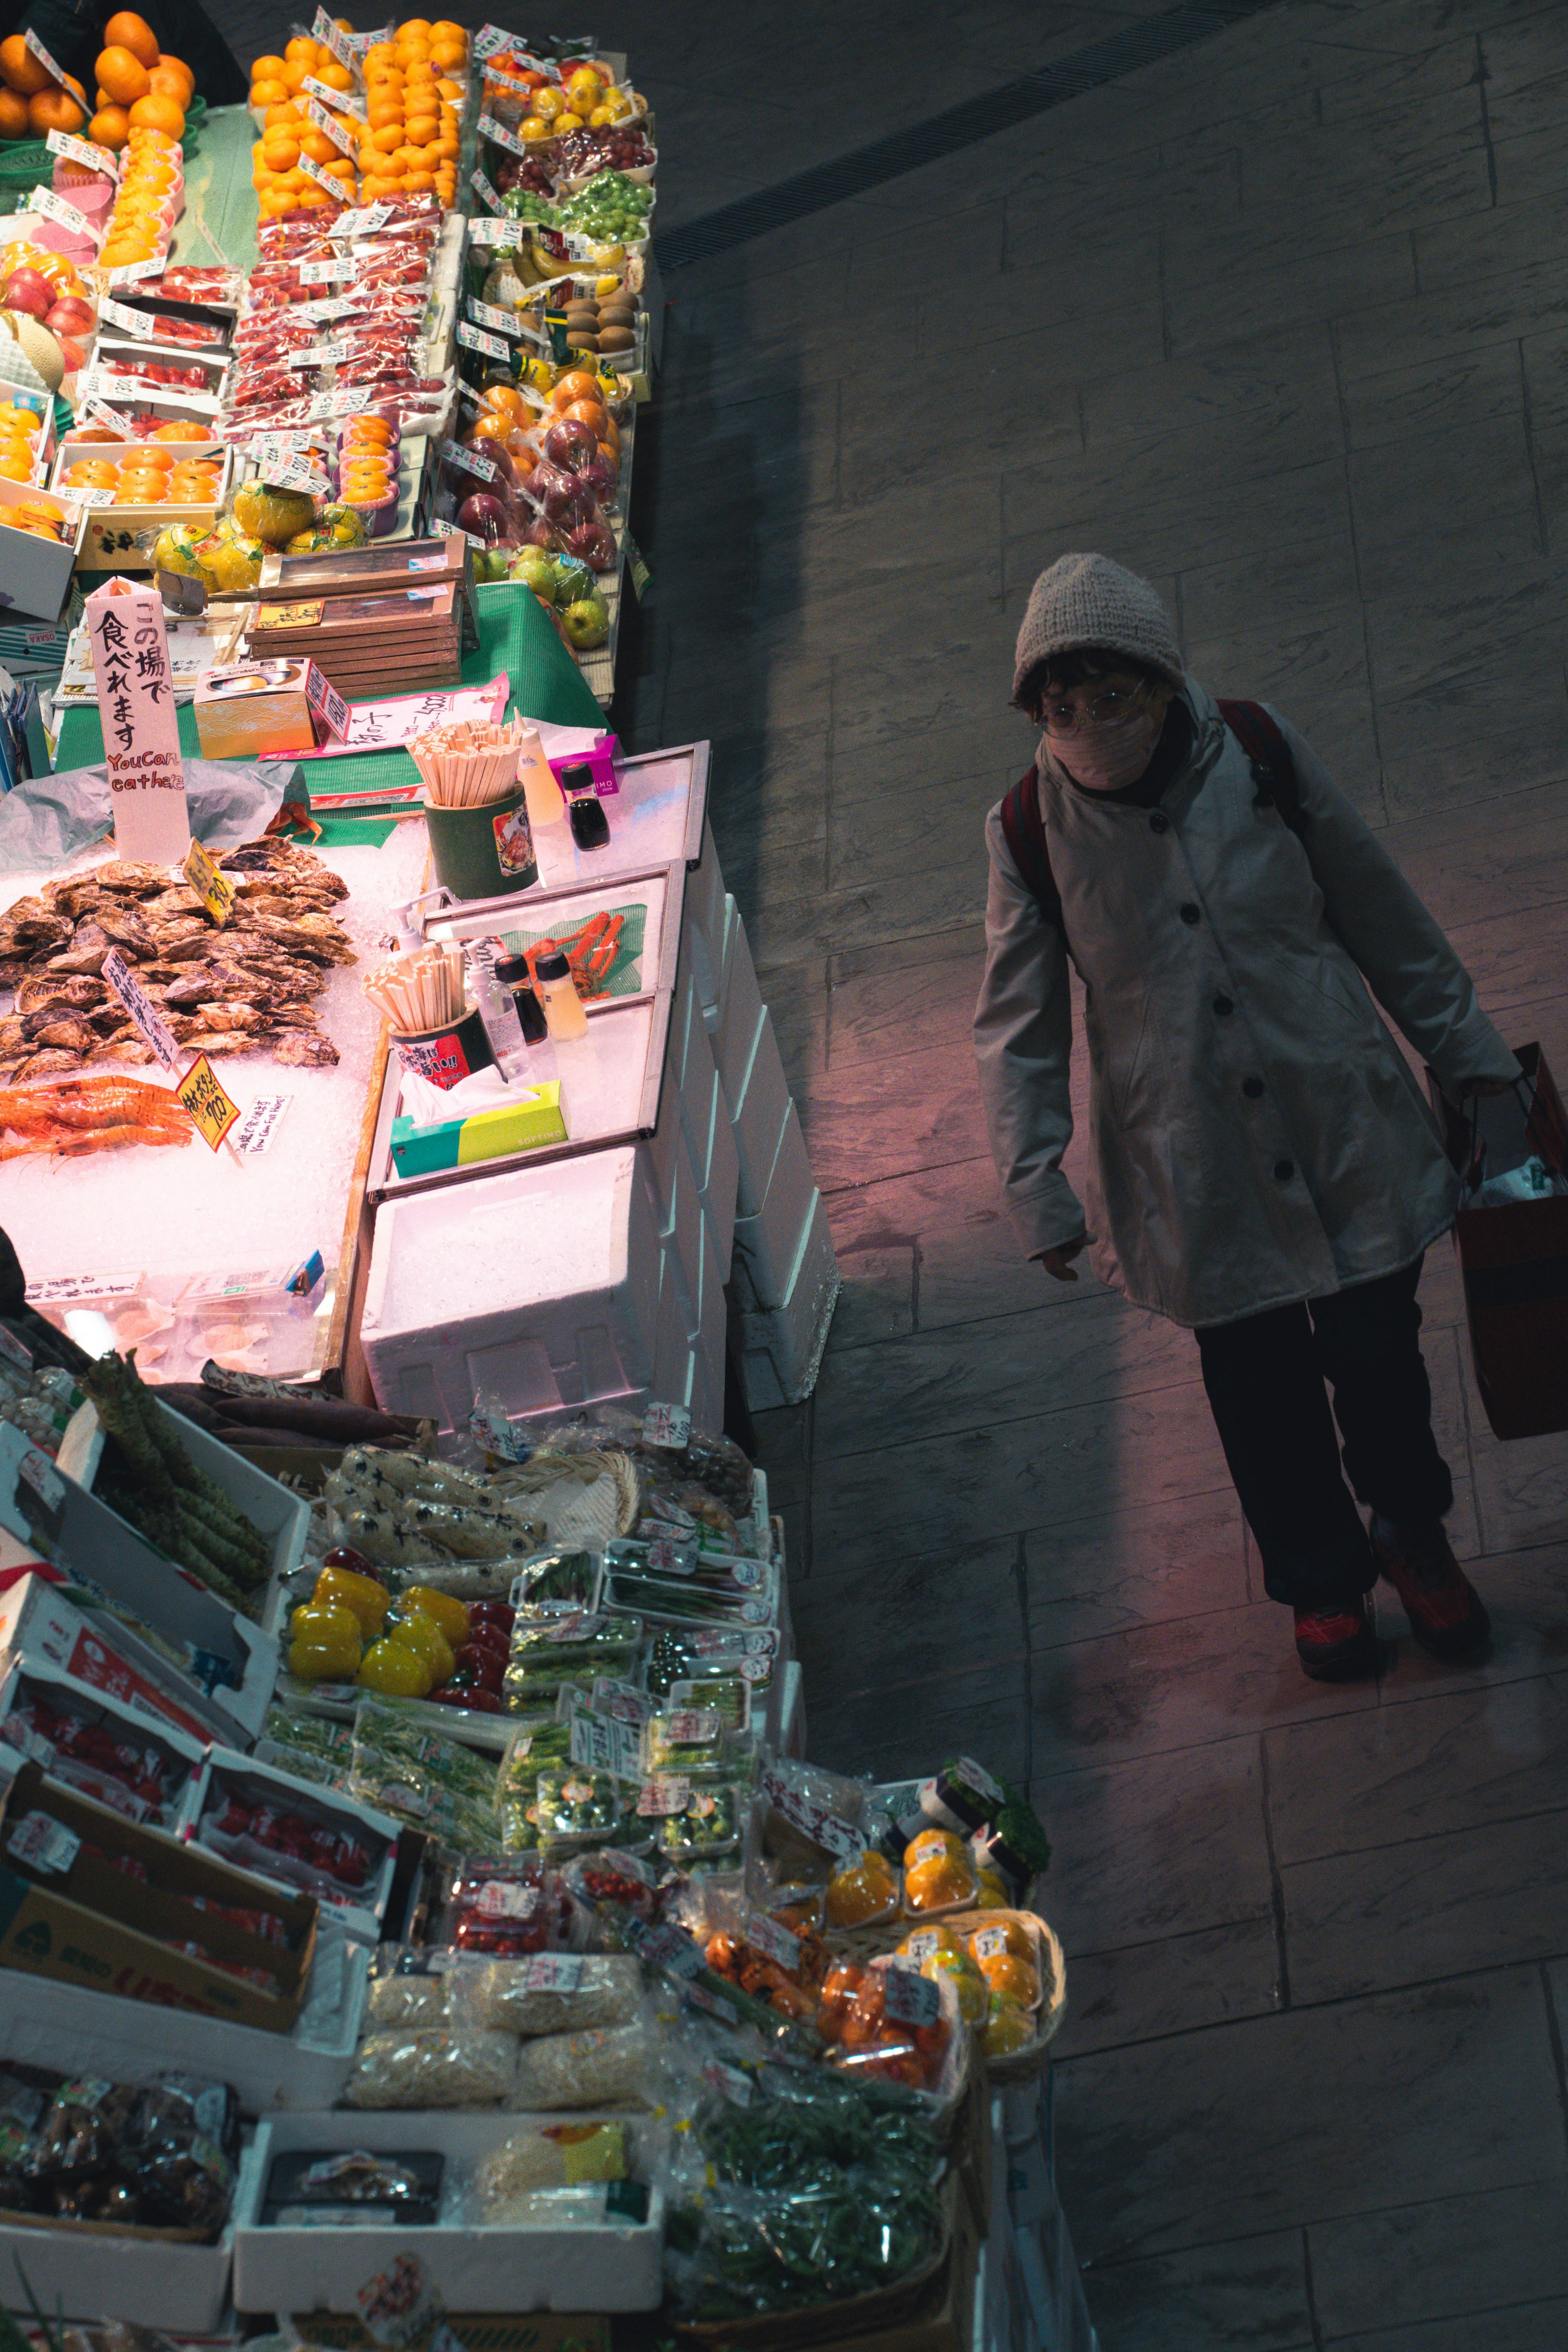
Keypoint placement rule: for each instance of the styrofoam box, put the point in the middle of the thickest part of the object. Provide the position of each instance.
(142, 2281)
(734, 1042)
(67, 1694)
(360, 1918)
(705, 894)
(710, 1332)
(758, 1114)
(700, 1097)
(683, 1231)
(657, 1152)
(720, 1194)
(768, 1243)
(615, 2267)
(794, 1334)
(59, 2025)
(540, 1286)
(739, 997)
(673, 1354)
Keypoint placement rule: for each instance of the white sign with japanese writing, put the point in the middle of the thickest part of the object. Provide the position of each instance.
(140, 731)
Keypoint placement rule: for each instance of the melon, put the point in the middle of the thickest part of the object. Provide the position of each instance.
(38, 346)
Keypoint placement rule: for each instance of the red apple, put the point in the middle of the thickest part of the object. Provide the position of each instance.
(25, 289)
(71, 352)
(594, 544)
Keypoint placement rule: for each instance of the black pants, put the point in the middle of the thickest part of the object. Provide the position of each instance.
(1265, 1377)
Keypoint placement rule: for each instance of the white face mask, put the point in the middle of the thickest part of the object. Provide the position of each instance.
(1105, 758)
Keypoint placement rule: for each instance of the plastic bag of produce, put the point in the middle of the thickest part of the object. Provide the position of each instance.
(551, 2156)
(432, 2066)
(401, 1992)
(508, 1908)
(549, 1652)
(614, 2066)
(558, 1992)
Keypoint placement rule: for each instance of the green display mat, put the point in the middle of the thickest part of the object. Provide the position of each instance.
(516, 636)
(624, 977)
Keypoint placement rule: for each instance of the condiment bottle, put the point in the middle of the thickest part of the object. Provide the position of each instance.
(515, 976)
(590, 826)
(546, 802)
(563, 1011)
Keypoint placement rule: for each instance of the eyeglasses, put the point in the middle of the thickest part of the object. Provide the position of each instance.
(1115, 702)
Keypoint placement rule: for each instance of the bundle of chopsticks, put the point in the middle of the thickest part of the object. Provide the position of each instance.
(420, 990)
(469, 763)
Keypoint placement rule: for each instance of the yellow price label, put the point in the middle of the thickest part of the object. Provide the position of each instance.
(212, 887)
(210, 1109)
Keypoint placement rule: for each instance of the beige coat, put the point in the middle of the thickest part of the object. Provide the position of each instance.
(1257, 1137)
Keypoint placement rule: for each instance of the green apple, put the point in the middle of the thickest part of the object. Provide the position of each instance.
(586, 622)
(536, 569)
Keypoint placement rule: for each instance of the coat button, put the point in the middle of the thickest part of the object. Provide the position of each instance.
(1192, 914)
(1284, 1170)
(1252, 1088)
(1158, 822)
(1223, 1005)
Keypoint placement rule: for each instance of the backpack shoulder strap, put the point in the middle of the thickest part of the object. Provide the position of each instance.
(1273, 769)
(1024, 828)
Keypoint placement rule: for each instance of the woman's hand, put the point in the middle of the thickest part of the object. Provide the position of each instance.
(1059, 1261)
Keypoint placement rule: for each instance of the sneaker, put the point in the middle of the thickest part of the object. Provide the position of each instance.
(1442, 1604)
(1336, 1643)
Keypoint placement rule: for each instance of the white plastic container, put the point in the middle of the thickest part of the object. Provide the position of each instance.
(782, 1346)
(24, 1677)
(757, 1114)
(146, 2281)
(768, 1243)
(615, 2267)
(227, 1769)
(540, 1286)
(51, 2023)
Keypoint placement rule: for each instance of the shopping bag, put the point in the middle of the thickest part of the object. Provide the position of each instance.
(1511, 1234)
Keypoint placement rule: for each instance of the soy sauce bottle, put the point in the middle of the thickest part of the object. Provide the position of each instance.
(585, 811)
(515, 977)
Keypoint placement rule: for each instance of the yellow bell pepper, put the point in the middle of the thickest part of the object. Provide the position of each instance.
(421, 1634)
(441, 1609)
(395, 1671)
(340, 1588)
(324, 1645)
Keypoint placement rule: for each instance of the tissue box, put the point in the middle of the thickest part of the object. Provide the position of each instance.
(251, 710)
(535, 1118)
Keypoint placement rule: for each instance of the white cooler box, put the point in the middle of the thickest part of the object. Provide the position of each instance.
(781, 1347)
(539, 1287)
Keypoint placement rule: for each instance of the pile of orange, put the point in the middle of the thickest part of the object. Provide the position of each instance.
(409, 142)
(367, 461)
(277, 93)
(139, 88)
(18, 443)
(33, 516)
(149, 476)
(145, 209)
(32, 103)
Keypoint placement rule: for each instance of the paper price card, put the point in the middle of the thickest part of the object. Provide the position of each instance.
(990, 1944)
(330, 127)
(485, 192)
(504, 234)
(211, 1110)
(45, 59)
(823, 1828)
(55, 208)
(325, 273)
(347, 400)
(670, 1948)
(499, 136)
(470, 460)
(326, 308)
(261, 1123)
(323, 178)
(83, 151)
(130, 273)
(773, 1941)
(212, 886)
(119, 314)
(342, 100)
(489, 39)
(911, 1999)
(665, 1796)
(920, 1946)
(327, 29)
(552, 1972)
(130, 647)
(154, 1030)
(474, 339)
(39, 1843)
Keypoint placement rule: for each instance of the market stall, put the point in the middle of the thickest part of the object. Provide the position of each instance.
(396, 1674)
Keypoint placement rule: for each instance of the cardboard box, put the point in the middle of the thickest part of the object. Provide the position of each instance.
(618, 2266)
(70, 1913)
(230, 1774)
(475, 2331)
(35, 572)
(253, 709)
(526, 1125)
(121, 538)
(180, 1761)
(37, 1626)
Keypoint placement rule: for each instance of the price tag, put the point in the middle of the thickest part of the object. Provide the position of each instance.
(668, 1559)
(729, 2082)
(693, 1727)
(345, 400)
(343, 100)
(55, 208)
(34, 1465)
(671, 1948)
(452, 530)
(324, 309)
(484, 191)
(474, 339)
(38, 1843)
(211, 885)
(132, 273)
(911, 1999)
(83, 151)
(330, 128)
(322, 177)
(96, 384)
(325, 273)
(325, 355)
(327, 30)
(86, 495)
(488, 314)
(211, 1110)
(498, 1899)
(489, 40)
(43, 58)
(154, 1029)
(261, 1123)
(922, 1944)
(17, 1734)
(990, 1944)
(287, 445)
(135, 324)
(773, 1941)
(714, 2004)
(499, 136)
(552, 1972)
(667, 1424)
(495, 80)
(823, 1828)
(362, 223)
(663, 1797)
(470, 460)
(976, 1777)
(295, 474)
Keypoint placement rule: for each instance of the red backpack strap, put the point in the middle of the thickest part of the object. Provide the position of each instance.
(1273, 769)
(1024, 829)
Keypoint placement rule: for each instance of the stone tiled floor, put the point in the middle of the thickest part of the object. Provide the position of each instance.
(1282, 323)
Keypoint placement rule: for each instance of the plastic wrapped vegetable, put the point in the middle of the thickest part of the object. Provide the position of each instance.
(558, 1579)
(420, 1778)
(432, 2067)
(578, 1808)
(617, 2066)
(546, 1654)
(567, 1992)
(688, 1740)
(399, 1998)
(508, 1908)
(183, 2149)
(708, 1821)
(551, 2156)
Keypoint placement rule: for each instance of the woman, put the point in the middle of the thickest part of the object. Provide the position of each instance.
(1266, 1170)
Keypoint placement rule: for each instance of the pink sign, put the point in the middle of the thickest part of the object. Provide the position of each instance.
(140, 730)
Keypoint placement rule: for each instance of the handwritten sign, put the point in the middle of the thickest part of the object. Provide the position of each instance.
(155, 1031)
(130, 273)
(346, 401)
(45, 59)
(328, 30)
(211, 885)
(55, 208)
(261, 1123)
(212, 1111)
(470, 460)
(325, 273)
(141, 732)
(323, 179)
(342, 100)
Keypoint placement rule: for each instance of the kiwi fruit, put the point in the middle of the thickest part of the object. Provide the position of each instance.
(616, 339)
(578, 341)
(613, 314)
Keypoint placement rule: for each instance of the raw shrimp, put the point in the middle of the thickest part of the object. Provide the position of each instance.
(90, 1103)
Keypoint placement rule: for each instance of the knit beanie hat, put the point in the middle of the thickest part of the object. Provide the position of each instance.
(1087, 599)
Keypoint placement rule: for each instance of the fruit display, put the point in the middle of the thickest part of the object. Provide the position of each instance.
(405, 142)
(542, 108)
(33, 103)
(300, 1838)
(22, 436)
(152, 187)
(601, 323)
(34, 517)
(609, 207)
(150, 473)
(125, 1762)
